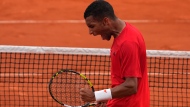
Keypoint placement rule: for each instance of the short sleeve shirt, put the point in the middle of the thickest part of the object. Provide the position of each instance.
(128, 59)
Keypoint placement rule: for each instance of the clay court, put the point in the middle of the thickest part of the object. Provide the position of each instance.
(165, 24)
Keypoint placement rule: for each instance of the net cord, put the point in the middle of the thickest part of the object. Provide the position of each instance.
(86, 51)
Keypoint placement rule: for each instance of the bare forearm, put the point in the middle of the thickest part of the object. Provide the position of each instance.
(125, 89)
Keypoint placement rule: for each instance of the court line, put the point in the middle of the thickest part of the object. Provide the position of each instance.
(20, 75)
(64, 21)
(79, 21)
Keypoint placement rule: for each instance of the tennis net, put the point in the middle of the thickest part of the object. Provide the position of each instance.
(25, 72)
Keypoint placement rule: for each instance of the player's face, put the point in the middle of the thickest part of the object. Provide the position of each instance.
(99, 28)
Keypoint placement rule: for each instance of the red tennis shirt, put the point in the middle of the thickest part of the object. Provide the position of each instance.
(128, 59)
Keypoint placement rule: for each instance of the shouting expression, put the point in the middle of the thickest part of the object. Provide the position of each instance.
(97, 27)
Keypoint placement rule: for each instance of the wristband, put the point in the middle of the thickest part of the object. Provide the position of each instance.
(103, 95)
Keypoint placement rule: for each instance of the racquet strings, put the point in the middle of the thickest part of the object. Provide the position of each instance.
(66, 88)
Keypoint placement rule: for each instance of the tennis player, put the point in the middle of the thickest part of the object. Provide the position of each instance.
(128, 59)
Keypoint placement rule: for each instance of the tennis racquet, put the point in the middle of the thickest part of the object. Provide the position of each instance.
(65, 85)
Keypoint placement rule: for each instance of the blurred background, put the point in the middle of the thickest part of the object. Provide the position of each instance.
(165, 24)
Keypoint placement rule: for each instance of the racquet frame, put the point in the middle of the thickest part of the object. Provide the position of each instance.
(72, 71)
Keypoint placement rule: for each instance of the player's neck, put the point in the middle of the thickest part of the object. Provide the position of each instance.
(118, 26)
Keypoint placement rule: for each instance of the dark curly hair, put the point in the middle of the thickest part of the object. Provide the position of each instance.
(99, 9)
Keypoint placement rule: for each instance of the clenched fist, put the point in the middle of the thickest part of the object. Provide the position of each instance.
(87, 95)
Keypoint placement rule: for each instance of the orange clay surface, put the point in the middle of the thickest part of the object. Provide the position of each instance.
(168, 26)
(165, 24)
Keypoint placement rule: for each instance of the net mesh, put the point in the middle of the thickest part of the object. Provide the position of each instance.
(26, 71)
